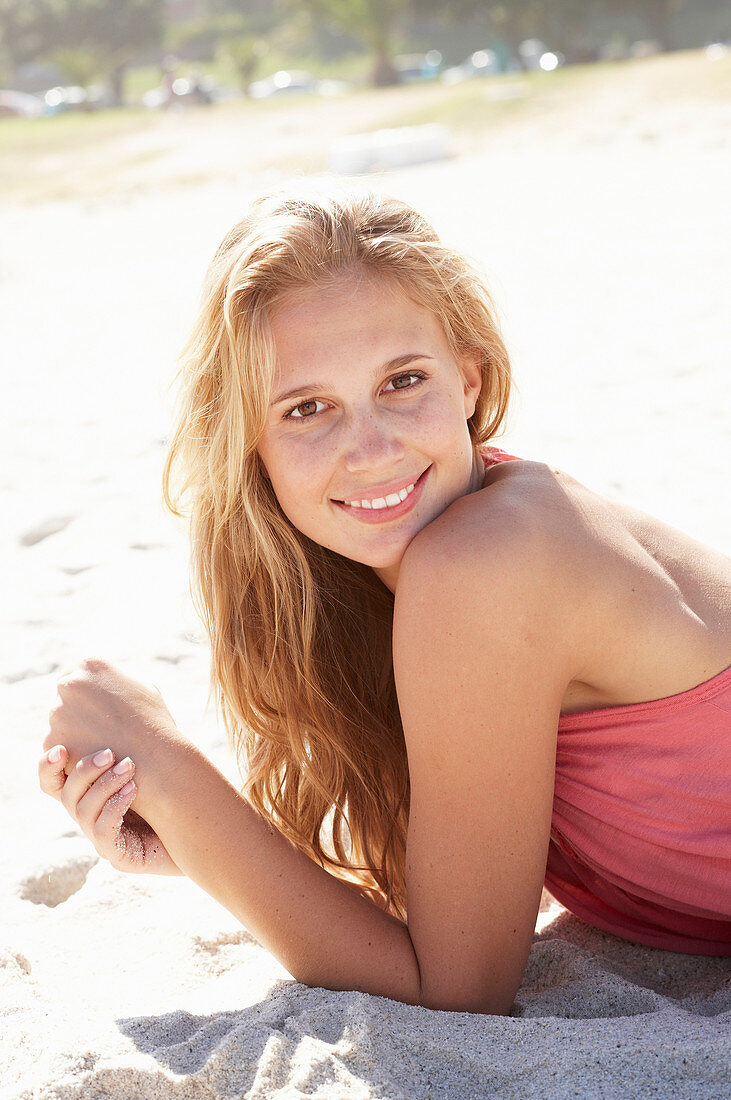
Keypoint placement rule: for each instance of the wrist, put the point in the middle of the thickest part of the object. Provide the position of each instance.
(161, 782)
(187, 804)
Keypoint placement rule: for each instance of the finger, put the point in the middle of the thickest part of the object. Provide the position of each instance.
(106, 786)
(110, 837)
(65, 680)
(51, 774)
(85, 772)
(56, 717)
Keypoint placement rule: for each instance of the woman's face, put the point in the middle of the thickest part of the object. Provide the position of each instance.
(367, 439)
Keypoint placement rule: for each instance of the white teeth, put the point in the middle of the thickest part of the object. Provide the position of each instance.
(383, 502)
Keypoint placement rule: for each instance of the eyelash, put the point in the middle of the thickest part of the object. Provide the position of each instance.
(289, 415)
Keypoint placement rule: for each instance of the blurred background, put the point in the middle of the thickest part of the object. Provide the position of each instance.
(576, 149)
(70, 55)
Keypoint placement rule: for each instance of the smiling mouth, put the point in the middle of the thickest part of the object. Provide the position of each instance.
(396, 503)
(389, 501)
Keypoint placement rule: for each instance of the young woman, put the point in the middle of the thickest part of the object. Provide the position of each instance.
(449, 674)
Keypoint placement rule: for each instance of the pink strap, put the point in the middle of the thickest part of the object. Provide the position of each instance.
(493, 455)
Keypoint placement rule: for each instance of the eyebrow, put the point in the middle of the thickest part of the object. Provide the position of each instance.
(392, 364)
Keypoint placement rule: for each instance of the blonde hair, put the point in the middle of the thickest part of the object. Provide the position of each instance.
(301, 637)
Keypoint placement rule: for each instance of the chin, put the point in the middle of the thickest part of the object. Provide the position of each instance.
(374, 561)
(389, 558)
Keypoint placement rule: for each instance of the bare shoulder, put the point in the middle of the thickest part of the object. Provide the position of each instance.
(531, 528)
(510, 570)
(534, 519)
(529, 503)
(635, 609)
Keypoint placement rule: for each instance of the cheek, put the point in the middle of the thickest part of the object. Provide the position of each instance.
(297, 470)
(441, 424)
(283, 458)
(292, 487)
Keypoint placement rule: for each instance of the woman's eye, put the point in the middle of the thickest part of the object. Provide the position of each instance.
(305, 409)
(404, 381)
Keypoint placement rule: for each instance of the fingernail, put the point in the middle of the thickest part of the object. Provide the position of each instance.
(123, 766)
(55, 754)
(102, 758)
(127, 788)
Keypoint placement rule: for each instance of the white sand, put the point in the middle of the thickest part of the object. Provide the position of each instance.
(609, 254)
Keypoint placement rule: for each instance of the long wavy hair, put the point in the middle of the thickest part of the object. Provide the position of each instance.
(300, 637)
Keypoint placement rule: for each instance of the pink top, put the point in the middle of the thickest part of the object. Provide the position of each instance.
(641, 828)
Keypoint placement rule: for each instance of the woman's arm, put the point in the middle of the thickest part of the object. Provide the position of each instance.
(322, 929)
(483, 632)
(480, 671)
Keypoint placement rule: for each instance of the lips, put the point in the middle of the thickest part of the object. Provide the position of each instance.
(381, 514)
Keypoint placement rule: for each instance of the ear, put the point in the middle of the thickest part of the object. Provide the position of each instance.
(472, 380)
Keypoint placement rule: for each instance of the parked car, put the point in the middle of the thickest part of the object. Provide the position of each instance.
(479, 63)
(412, 68)
(715, 51)
(645, 47)
(284, 82)
(75, 98)
(20, 105)
(183, 91)
(71, 98)
(332, 88)
(535, 54)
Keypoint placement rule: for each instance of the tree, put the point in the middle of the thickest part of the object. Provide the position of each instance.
(373, 22)
(114, 32)
(243, 54)
(79, 67)
(561, 24)
(657, 14)
(29, 28)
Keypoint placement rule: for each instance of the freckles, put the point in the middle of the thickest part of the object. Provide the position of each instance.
(300, 474)
(287, 454)
(439, 425)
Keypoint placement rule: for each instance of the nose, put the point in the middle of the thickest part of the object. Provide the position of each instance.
(371, 443)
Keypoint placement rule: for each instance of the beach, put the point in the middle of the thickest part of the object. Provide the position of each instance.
(606, 244)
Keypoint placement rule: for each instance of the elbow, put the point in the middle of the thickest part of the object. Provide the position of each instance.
(438, 1000)
(480, 1004)
(483, 998)
(449, 984)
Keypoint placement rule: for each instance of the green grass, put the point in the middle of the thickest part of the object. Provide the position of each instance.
(68, 133)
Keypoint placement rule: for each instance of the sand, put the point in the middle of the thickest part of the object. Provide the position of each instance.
(608, 251)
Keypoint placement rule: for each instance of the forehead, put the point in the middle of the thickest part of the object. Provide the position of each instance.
(356, 312)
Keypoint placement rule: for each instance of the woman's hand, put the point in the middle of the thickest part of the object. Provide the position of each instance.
(98, 797)
(98, 705)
